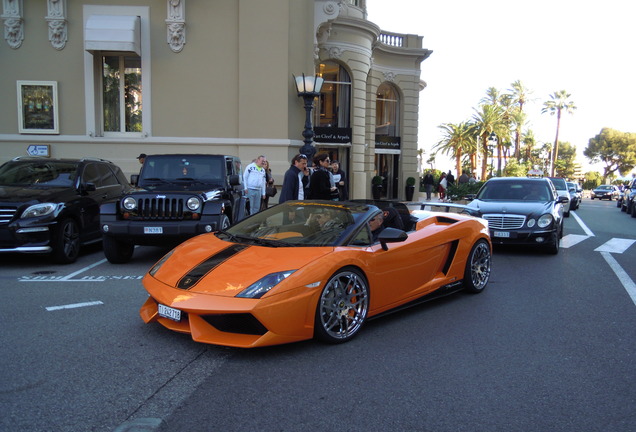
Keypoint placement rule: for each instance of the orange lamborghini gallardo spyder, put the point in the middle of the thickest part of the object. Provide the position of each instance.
(305, 269)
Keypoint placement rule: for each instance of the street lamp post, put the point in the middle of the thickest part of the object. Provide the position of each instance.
(308, 88)
(492, 143)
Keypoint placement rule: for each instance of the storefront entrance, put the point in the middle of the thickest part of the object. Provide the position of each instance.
(387, 165)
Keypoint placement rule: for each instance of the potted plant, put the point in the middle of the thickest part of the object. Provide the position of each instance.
(376, 187)
(410, 188)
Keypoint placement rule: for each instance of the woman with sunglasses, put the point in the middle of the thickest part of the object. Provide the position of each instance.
(321, 184)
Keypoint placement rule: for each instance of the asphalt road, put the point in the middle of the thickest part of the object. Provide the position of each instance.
(548, 346)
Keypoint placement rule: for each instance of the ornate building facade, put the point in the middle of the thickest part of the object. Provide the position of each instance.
(113, 79)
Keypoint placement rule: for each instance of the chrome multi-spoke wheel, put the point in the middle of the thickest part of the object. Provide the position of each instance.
(342, 307)
(66, 242)
(478, 267)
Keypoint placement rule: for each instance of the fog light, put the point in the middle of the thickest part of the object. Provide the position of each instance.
(208, 228)
(540, 239)
(105, 228)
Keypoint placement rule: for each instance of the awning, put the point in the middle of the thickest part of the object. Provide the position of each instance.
(112, 33)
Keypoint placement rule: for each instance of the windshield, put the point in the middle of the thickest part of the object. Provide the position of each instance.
(38, 173)
(559, 183)
(606, 187)
(515, 190)
(298, 223)
(159, 171)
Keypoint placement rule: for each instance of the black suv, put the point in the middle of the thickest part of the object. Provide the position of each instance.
(179, 196)
(52, 205)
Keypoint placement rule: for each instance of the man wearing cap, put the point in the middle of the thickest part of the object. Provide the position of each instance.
(141, 158)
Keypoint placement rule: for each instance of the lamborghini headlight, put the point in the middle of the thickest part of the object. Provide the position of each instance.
(157, 266)
(262, 286)
(545, 221)
(36, 210)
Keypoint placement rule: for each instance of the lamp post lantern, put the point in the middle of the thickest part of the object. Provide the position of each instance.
(308, 88)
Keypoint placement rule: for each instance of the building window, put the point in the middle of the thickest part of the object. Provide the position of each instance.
(121, 93)
(386, 112)
(333, 106)
(117, 62)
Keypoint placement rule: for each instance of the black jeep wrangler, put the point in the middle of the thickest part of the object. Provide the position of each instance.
(178, 196)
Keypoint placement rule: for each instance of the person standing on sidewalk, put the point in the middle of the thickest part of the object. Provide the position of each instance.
(429, 182)
(254, 181)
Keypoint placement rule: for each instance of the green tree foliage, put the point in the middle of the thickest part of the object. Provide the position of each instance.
(615, 149)
(515, 168)
(458, 139)
(564, 166)
(592, 180)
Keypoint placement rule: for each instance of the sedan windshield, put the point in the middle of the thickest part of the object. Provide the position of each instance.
(38, 173)
(514, 191)
(298, 223)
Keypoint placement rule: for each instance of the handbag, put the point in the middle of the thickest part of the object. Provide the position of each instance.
(271, 191)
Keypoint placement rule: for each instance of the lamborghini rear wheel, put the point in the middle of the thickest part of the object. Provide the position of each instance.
(477, 271)
(343, 306)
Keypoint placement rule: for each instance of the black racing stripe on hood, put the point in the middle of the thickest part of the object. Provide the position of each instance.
(190, 279)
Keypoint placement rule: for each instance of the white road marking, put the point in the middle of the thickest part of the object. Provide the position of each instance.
(582, 225)
(74, 305)
(615, 245)
(623, 277)
(572, 239)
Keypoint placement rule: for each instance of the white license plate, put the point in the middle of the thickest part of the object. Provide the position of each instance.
(501, 234)
(170, 313)
(153, 230)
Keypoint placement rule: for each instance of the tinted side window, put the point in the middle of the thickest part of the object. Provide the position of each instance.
(100, 175)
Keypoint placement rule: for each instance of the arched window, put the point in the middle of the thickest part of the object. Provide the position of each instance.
(334, 105)
(387, 111)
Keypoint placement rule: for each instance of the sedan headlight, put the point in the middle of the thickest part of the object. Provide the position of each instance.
(193, 203)
(36, 210)
(130, 203)
(262, 286)
(545, 221)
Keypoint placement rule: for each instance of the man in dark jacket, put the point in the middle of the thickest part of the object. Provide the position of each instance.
(295, 180)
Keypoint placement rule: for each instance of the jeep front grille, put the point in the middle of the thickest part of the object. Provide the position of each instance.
(161, 208)
(6, 214)
(505, 221)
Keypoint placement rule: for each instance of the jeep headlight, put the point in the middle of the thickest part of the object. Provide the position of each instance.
(545, 221)
(129, 203)
(262, 286)
(36, 210)
(193, 203)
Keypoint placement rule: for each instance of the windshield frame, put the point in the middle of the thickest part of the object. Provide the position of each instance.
(301, 224)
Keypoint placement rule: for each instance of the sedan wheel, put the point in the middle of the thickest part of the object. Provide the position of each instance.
(477, 271)
(66, 242)
(342, 307)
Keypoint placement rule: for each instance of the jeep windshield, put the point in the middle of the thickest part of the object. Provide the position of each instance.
(38, 173)
(168, 172)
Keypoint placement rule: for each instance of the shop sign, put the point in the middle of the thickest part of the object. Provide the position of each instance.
(388, 142)
(332, 135)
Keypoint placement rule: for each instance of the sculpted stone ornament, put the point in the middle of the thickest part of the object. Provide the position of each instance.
(13, 22)
(175, 25)
(57, 23)
(13, 32)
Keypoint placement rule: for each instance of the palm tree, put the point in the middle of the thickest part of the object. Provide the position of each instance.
(458, 139)
(520, 96)
(559, 101)
(487, 120)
